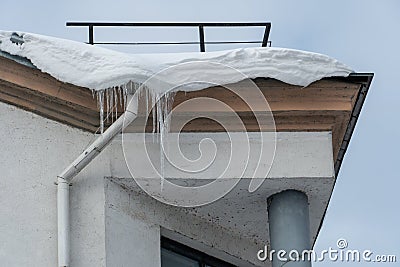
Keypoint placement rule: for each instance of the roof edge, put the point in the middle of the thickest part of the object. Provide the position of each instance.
(365, 79)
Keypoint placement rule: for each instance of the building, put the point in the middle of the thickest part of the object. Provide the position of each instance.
(48, 117)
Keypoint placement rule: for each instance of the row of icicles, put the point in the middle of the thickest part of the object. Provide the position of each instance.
(113, 100)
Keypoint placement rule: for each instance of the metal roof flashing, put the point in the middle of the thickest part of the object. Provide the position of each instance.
(21, 60)
(365, 79)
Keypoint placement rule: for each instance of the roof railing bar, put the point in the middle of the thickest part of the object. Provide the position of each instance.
(200, 26)
(179, 43)
(168, 24)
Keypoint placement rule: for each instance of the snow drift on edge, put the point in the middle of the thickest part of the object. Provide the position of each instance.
(98, 68)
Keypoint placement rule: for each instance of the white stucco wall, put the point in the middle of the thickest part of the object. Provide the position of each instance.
(34, 150)
(131, 239)
(115, 224)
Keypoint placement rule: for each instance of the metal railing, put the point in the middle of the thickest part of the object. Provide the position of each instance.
(200, 26)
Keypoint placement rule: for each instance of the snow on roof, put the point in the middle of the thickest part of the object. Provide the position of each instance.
(98, 68)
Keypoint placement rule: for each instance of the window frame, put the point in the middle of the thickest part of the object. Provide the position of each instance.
(199, 256)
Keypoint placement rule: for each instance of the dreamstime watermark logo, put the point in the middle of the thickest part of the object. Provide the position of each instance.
(191, 170)
(340, 253)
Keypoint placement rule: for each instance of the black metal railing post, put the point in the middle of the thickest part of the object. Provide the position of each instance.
(201, 34)
(91, 35)
(266, 35)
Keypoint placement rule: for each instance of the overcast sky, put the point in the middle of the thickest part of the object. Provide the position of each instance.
(362, 34)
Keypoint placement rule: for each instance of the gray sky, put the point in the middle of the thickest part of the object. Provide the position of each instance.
(362, 34)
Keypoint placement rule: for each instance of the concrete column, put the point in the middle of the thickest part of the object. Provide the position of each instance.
(289, 228)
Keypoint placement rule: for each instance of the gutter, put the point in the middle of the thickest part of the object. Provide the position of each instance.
(65, 178)
(365, 80)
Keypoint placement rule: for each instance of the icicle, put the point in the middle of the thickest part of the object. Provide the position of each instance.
(147, 102)
(161, 124)
(116, 102)
(111, 104)
(125, 96)
(108, 103)
(100, 101)
(110, 99)
(120, 92)
(153, 101)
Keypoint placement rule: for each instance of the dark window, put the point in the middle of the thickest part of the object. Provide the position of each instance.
(174, 254)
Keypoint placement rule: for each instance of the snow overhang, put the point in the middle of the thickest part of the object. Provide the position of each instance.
(97, 68)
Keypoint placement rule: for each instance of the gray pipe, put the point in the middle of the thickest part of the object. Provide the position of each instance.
(289, 228)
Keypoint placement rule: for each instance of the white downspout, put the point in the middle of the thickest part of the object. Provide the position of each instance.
(63, 221)
(65, 178)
